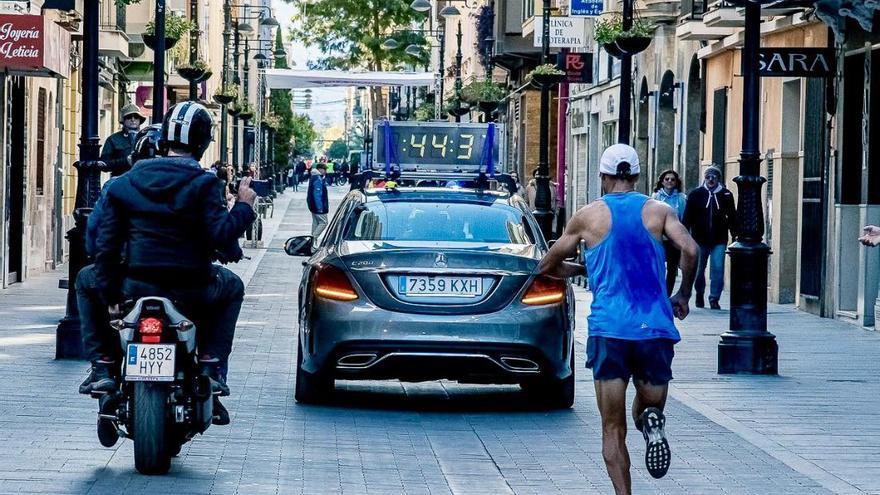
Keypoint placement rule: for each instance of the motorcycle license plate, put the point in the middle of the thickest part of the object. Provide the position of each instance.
(149, 363)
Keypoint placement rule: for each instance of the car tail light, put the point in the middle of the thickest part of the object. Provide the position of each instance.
(150, 330)
(333, 283)
(544, 290)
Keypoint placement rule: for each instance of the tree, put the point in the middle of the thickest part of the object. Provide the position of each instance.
(338, 150)
(304, 135)
(351, 33)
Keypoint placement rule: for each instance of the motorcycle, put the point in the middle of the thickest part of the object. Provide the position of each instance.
(163, 400)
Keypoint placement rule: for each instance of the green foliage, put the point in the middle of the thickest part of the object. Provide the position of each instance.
(338, 150)
(229, 90)
(546, 70)
(123, 3)
(485, 91)
(424, 112)
(350, 32)
(198, 64)
(304, 134)
(610, 29)
(175, 26)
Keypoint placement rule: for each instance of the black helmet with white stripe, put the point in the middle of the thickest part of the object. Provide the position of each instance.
(188, 126)
(147, 143)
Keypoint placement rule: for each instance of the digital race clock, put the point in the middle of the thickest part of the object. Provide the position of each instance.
(438, 146)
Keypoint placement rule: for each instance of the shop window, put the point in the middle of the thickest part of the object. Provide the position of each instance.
(41, 142)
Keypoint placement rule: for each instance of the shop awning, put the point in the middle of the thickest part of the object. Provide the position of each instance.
(295, 79)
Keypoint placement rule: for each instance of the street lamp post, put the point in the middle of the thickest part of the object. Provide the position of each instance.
(159, 64)
(458, 73)
(68, 339)
(194, 45)
(224, 119)
(748, 347)
(543, 214)
(623, 124)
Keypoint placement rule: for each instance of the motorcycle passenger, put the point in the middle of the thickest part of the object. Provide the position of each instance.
(168, 213)
(100, 346)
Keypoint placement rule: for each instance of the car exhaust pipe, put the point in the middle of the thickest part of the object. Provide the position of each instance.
(358, 360)
(520, 364)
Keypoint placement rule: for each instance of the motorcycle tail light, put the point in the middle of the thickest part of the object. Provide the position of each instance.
(332, 283)
(544, 290)
(150, 330)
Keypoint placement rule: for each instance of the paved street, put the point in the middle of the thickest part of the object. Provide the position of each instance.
(811, 430)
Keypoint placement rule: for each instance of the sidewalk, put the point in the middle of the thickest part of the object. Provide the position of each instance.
(808, 431)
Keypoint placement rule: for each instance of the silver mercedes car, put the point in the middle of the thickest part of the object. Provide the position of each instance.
(420, 284)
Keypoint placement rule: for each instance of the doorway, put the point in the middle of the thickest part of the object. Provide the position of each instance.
(15, 172)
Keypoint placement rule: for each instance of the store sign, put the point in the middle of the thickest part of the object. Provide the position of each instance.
(33, 45)
(585, 8)
(578, 67)
(797, 62)
(565, 32)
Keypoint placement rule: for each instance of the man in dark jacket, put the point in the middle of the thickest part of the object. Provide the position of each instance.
(117, 148)
(710, 215)
(318, 200)
(167, 213)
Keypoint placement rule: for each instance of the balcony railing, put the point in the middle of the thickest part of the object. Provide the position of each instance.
(112, 16)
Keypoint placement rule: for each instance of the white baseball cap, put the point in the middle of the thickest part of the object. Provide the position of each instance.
(616, 154)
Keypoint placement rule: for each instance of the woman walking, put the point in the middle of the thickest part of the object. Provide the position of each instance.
(668, 190)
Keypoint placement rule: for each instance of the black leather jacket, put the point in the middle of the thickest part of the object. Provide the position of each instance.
(168, 216)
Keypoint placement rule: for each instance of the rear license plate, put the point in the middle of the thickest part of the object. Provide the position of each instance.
(149, 363)
(417, 286)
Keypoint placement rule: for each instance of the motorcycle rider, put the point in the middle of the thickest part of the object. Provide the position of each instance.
(118, 147)
(169, 216)
(99, 343)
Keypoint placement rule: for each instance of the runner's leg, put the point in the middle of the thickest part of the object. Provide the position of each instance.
(611, 398)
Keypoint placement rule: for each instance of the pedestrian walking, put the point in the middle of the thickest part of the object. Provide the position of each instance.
(631, 332)
(317, 199)
(532, 192)
(710, 215)
(118, 147)
(331, 173)
(291, 182)
(668, 190)
(300, 172)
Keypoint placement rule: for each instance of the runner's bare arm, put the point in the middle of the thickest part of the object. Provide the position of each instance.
(553, 263)
(675, 232)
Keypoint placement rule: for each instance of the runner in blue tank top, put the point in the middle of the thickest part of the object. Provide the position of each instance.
(631, 328)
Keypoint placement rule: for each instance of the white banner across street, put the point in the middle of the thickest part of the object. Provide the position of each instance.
(295, 79)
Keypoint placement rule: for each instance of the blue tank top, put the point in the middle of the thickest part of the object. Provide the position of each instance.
(627, 273)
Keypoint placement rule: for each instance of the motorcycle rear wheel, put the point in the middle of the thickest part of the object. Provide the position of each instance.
(152, 449)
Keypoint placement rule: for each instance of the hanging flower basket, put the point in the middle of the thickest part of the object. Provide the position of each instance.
(618, 42)
(246, 111)
(205, 76)
(631, 45)
(150, 41)
(613, 50)
(246, 115)
(547, 79)
(191, 74)
(487, 106)
(222, 99)
(234, 110)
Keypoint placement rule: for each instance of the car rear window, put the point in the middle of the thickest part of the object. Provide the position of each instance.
(436, 221)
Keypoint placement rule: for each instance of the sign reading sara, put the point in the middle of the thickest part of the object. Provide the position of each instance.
(565, 32)
(797, 62)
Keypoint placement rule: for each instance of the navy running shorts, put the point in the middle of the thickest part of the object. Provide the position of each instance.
(645, 360)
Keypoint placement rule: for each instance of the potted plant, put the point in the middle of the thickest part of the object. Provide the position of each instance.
(618, 42)
(546, 75)
(454, 106)
(234, 109)
(246, 111)
(197, 71)
(271, 121)
(485, 94)
(175, 28)
(226, 95)
(424, 112)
